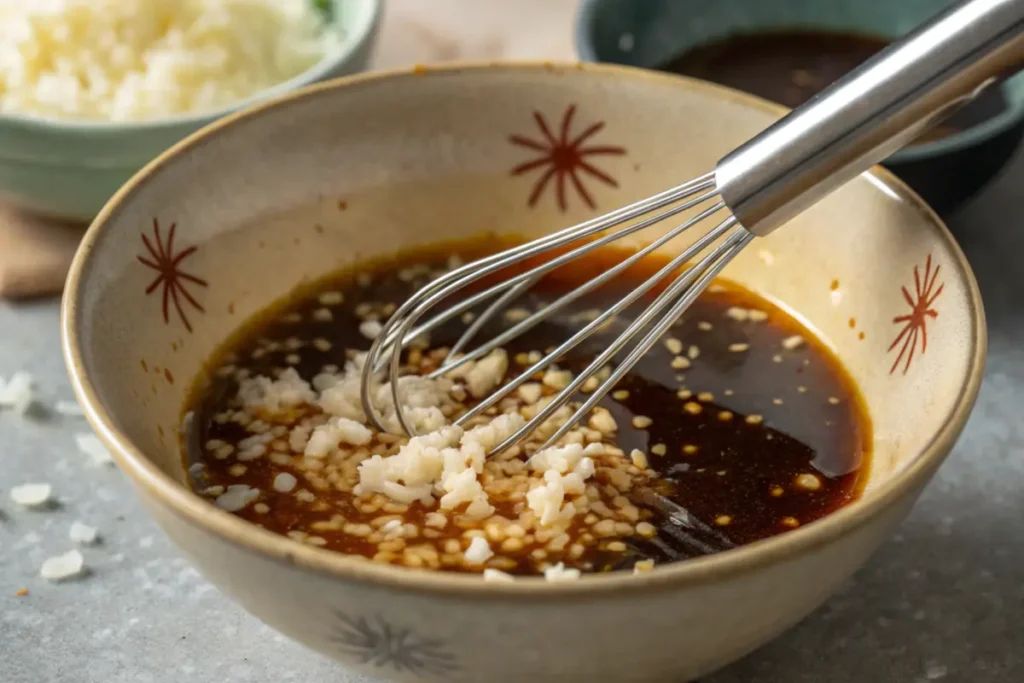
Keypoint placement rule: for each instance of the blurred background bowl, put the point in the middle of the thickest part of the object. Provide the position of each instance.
(68, 169)
(946, 172)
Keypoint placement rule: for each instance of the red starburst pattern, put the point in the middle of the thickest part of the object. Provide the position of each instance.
(171, 280)
(563, 158)
(915, 323)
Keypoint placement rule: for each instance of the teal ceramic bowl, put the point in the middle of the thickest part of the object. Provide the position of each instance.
(946, 172)
(68, 169)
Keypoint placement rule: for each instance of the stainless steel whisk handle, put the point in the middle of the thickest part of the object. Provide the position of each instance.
(871, 112)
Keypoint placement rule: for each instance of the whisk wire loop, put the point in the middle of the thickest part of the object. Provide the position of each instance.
(451, 362)
(603, 318)
(687, 287)
(398, 332)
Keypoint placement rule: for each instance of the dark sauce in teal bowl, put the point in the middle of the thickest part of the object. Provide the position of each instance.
(790, 67)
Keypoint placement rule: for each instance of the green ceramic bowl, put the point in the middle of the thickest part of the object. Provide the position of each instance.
(946, 172)
(69, 169)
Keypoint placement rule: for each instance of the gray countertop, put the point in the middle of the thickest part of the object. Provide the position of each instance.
(943, 600)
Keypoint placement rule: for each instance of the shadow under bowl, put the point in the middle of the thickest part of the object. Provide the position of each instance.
(946, 172)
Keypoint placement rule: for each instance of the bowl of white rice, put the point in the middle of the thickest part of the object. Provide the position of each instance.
(91, 90)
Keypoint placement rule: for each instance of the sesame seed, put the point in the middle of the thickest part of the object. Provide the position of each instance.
(757, 316)
(620, 395)
(323, 315)
(639, 459)
(674, 346)
(704, 326)
(833, 400)
(370, 329)
(725, 416)
(646, 529)
(331, 298)
(808, 482)
(689, 449)
(794, 342)
(684, 394)
(516, 315)
(285, 482)
(511, 545)
(643, 566)
(692, 408)
(738, 348)
(642, 421)
(659, 449)
(693, 352)
(723, 520)
(705, 397)
(736, 313)
(802, 389)
(680, 363)
(791, 522)
(755, 419)
(777, 401)
(777, 491)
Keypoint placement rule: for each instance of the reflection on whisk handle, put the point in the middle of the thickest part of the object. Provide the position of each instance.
(871, 112)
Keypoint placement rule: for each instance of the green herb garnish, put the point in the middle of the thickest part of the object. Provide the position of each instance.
(324, 7)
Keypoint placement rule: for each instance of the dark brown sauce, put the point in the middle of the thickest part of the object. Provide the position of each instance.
(792, 411)
(792, 66)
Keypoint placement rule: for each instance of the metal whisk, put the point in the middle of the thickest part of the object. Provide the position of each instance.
(854, 124)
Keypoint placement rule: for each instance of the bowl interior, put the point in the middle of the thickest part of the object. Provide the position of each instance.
(649, 34)
(386, 162)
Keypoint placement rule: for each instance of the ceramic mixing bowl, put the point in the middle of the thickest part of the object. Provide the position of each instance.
(236, 216)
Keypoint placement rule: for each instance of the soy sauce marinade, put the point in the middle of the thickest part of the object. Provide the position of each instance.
(790, 66)
(746, 420)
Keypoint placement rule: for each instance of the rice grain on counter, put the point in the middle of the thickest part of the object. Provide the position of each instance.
(70, 565)
(83, 533)
(124, 60)
(91, 446)
(32, 495)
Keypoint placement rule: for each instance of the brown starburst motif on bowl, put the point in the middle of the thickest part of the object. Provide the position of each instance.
(564, 159)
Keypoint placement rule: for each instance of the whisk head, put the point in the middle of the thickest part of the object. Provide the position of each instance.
(687, 277)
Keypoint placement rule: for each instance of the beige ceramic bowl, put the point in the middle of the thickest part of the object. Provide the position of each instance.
(236, 216)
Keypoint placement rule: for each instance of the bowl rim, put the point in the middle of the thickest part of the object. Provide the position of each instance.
(992, 127)
(355, 36)
(186, 505)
